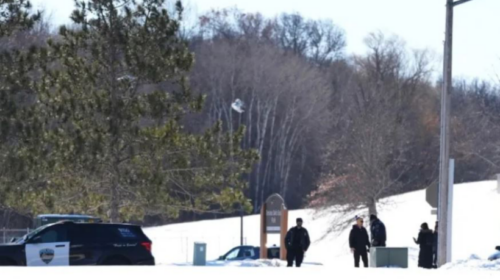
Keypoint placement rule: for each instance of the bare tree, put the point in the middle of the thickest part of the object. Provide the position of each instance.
(370, 154)
(321, 41)
(286, 100)
(476, 130)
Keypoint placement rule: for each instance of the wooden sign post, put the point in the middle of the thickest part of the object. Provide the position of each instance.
(284, 230)
(273, 220)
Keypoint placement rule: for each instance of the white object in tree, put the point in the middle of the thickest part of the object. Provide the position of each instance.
(126, 77)
(238, 106)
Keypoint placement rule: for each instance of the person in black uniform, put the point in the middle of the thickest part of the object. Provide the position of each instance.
(378, 232)
(359, 242)
(297, 242)
(425, 240)
(434, 246)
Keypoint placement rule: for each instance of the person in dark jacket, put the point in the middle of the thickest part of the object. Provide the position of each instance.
(378, 232)
(359, 242)
(434, 246)
(425, 240)
(297, 242)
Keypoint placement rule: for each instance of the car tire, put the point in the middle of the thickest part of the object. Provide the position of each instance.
(116, 261)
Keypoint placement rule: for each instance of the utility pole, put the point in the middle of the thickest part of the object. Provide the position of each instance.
(444, 158)
(241, 225)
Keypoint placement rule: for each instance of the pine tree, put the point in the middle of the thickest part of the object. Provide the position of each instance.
(114, 98)
(16, 17)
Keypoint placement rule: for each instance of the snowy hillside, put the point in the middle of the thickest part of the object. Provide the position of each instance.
(476, 229)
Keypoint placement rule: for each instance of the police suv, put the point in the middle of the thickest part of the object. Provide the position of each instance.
(68, 243)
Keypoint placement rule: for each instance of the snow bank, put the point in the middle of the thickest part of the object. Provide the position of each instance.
(249, 263)
(245, 263)
(240, 273)
(474, 263)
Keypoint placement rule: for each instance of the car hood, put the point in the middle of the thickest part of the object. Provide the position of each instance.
(10, 248)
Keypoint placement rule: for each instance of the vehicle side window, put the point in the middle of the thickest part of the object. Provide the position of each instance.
(100, 233)
(53, 234)
(81, 234)
(233, 254)
(248, 253)
(93, 233)
(126, 233)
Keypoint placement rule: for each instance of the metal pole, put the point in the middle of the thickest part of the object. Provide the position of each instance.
(445, 138)
(241, 225)
(444, 157)
(450, 210)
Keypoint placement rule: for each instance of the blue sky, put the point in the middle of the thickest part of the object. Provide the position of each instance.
(419, 22)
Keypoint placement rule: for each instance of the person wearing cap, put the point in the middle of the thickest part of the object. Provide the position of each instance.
(377, 230)
(359, 242)
(297, 242)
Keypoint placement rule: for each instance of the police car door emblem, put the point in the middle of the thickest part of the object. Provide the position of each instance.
(46, 255)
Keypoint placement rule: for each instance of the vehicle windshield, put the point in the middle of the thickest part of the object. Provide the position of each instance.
(233, 254)
(31, 234)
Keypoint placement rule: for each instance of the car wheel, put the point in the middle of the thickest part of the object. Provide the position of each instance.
(116, 261)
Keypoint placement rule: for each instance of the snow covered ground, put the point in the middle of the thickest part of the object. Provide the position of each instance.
(476, 231)
(476, 227)
(240, 273)
(474, 263)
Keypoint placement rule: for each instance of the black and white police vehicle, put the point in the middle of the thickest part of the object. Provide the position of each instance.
(68, 243)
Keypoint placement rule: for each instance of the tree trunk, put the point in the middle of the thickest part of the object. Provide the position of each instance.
(115, 208)
(372, 207)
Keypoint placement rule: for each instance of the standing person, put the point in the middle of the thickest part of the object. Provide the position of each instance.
(297, 242)
(434, 246)
(359, 242)
(377, 230)
(425, 240)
